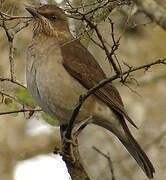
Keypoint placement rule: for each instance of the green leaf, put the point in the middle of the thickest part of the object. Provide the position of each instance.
(24, 96)
(49, 119)
(12, 107)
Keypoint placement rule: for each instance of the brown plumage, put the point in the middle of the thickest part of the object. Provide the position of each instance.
(59, 69)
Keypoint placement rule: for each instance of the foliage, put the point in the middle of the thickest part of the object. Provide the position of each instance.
(25, 97)
(49, 119)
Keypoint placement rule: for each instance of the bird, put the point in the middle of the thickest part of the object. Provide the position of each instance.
(59, 69)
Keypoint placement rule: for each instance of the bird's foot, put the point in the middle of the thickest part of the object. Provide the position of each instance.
(73, 141)
(69, 147)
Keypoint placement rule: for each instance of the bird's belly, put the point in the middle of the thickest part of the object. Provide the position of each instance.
(57, 92)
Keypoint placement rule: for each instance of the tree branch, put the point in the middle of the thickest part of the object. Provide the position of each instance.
(10, 33)
(12, 81)
(18, 111)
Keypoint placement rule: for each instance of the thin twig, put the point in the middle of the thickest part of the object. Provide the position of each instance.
(102, 42)
(19, 111)
(8, 17)
(11, 48)
(109, 161)
(12, 81)
(80, 7)
(11, 97)
(10, 33)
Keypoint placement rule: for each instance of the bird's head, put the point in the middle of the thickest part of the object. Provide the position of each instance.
(49, 19)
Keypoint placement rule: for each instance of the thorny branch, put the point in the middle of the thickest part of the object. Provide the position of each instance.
(92, 21)
(100, 37)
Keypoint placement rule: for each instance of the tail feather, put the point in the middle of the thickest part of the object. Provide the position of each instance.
(124, 135)
(118, 126)
(136, 151)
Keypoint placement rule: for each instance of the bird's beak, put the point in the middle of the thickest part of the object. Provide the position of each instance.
(32, 11)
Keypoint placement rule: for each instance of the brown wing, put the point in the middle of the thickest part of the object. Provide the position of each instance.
(82, 66)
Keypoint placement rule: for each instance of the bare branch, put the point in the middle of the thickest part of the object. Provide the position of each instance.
(19, 111)
(10, 33)
(7, 17)
(109, 55)
(12, 81)
(11, 97)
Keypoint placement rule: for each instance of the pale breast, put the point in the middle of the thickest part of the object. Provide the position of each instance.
(54, 90)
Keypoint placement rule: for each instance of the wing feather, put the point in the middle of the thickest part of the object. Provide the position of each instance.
(83, 67)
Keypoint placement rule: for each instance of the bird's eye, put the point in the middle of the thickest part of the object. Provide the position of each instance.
(54, 16)
(50, 16)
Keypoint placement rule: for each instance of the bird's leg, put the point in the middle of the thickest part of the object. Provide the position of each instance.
(63, 129)
(68, 144)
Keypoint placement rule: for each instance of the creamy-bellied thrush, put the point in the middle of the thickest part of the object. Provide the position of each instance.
(60, 69)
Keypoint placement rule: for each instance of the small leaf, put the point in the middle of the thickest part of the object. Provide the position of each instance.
(12, 107)
(49, 119)
(24, 96)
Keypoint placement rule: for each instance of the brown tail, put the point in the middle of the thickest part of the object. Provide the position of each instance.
(135, 150)
(131, 145)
